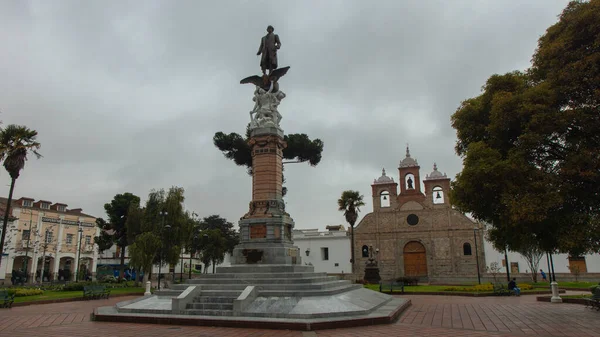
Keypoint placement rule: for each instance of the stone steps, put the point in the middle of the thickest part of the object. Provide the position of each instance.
(275, 286)
(265, 268)
(215, 299)
(253, 275)
(208, 312)
(210, 306)
(311, 292)
(168, 293)
(220, 293)
(261, 280)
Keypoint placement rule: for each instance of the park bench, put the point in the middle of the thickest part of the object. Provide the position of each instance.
(594, 301)
(95, 292)
(391, 286)
(6, 298)
(501, 290)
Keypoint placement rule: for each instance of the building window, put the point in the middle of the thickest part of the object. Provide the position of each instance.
(48, 237)
(337, 265)
(25, 235)
(88, 239)
(61, 208)
(365, 251)
(27, 203)
(325, 253)
(69, 239)
(467, 249)
(45, 205)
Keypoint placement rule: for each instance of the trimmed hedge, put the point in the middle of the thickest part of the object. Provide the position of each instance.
(22, 292)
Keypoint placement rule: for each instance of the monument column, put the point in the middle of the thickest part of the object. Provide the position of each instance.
(266, 229)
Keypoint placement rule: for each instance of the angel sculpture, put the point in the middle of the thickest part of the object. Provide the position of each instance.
(265, 107)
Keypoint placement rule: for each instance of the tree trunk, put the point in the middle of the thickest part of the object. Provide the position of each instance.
(6, 216)
(214, 265)
(145, 279)
(507, 265)
(352, 247)
(122, 267)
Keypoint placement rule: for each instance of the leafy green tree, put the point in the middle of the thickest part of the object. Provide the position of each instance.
(115, 229)
(104, 240)
(16, 142)
(300, 148)
(529, 143)
(229, 234)
(213, 249)
(143, 251)
(349, 203)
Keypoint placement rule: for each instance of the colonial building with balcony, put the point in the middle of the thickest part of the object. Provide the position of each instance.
(47, 239)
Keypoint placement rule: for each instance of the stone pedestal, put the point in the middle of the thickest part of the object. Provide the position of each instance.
(266, 229)
(372, 272)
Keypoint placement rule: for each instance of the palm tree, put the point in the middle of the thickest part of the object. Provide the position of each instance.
(15, 143)
(349, 203)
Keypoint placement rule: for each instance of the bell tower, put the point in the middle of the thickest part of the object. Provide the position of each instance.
(385, 192)
(410, 179)
(437, 186)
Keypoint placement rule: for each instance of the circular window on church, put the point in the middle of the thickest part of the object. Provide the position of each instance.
(412, 219)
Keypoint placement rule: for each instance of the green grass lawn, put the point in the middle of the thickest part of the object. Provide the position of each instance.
(565, 285)
(54, 295)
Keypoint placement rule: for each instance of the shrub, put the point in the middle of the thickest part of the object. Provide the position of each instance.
(409, 281)
(21, 292)
(595, 288)
(78, 286)
(28, 292)
(524, 286)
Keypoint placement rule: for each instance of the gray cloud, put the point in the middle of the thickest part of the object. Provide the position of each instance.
(126, 95)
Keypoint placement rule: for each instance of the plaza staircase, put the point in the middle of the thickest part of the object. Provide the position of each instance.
(219, 290)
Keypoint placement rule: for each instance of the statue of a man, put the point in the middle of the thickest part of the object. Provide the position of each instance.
(268, 48)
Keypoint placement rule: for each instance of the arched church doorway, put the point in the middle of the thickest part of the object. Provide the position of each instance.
(415, 259)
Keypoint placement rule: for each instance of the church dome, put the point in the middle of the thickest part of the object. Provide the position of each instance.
(435, 174)
(383, 179)
(408, 161)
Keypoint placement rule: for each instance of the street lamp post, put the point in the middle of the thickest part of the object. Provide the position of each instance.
(27, 249)
(80, 230)
(162, 214)
(476, 254)
(44, 255)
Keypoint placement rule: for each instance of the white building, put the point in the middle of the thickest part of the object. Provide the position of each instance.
(109, 262)
(48, 239)
(328, 251)
(563, 263)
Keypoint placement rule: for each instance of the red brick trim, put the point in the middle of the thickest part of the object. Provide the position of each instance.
(74, 299)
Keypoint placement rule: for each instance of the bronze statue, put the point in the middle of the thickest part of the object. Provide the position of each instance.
(269, 45)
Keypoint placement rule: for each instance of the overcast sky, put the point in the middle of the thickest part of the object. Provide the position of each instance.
(127, 95)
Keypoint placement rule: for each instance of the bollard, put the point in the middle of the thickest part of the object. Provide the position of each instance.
(147, 289)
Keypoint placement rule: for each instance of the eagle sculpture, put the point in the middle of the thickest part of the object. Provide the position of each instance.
(267, 82)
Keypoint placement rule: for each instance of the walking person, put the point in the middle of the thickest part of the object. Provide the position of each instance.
(543, 275)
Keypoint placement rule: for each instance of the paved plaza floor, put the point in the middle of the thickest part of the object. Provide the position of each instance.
(428, 316)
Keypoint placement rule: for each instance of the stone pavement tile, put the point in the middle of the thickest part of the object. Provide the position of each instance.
(515, 315)
(429, 316)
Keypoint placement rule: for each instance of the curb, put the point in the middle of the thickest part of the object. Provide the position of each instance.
(564, 300)
(456, 293)
(63, 300)
(251, 322)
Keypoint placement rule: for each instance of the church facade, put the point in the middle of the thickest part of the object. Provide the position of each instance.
(417, 233)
